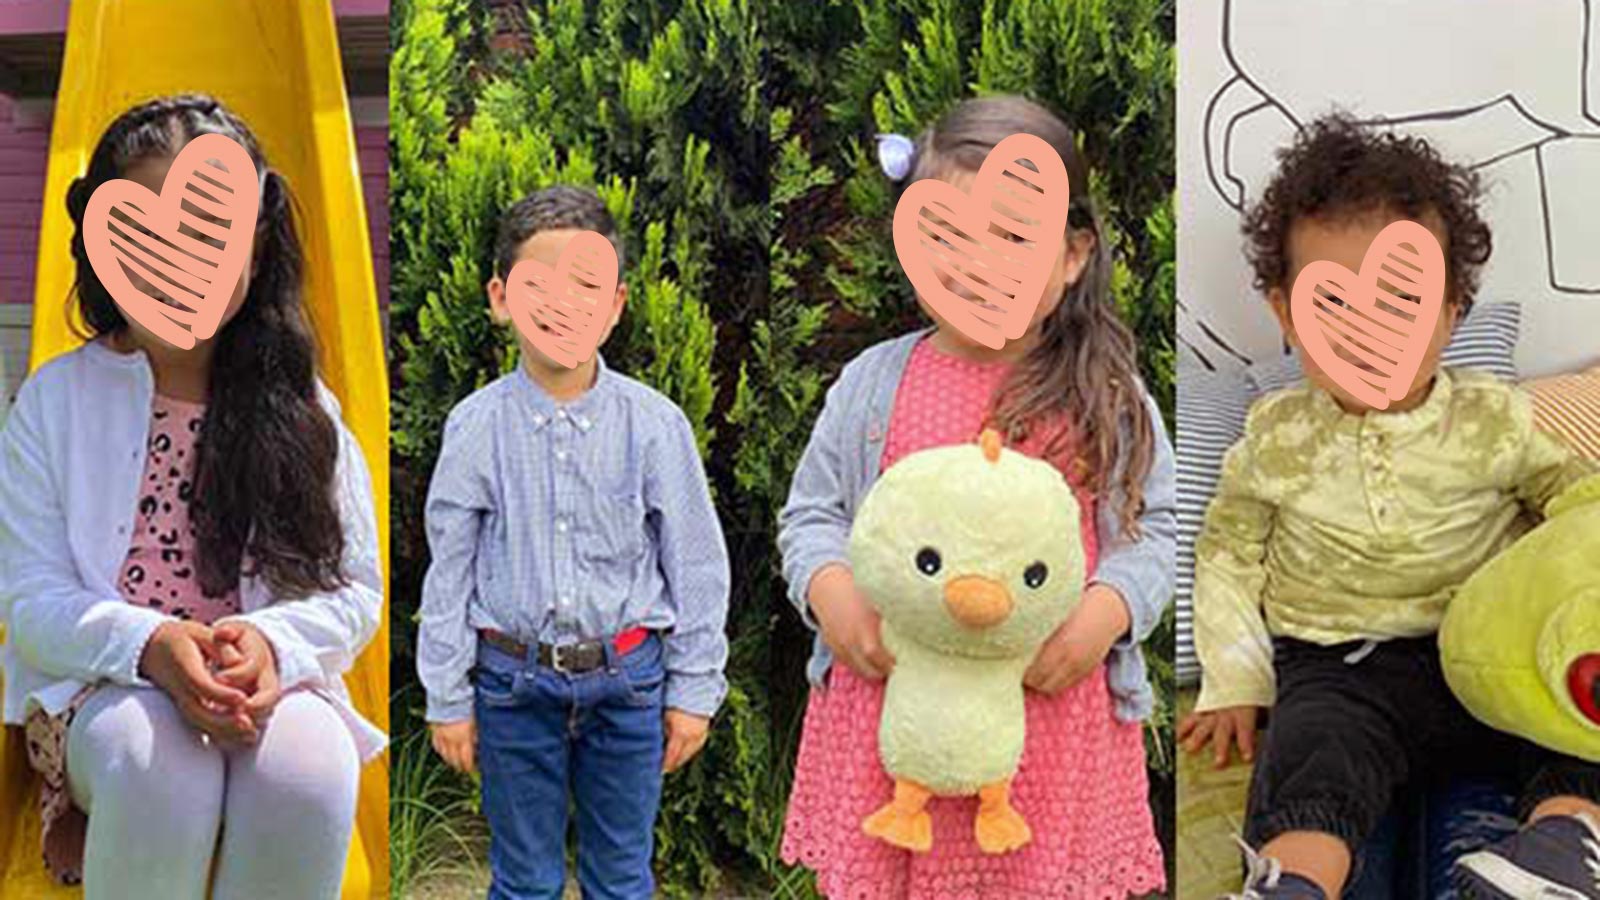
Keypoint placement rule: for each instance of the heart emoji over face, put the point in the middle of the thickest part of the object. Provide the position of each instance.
(1369, 330)
(172, 261)
(981, 260)
(563, 310)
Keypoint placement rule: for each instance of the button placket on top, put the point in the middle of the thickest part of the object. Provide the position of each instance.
(566, 580)
(1377, 469)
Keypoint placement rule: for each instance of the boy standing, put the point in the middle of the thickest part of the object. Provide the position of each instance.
(572, 616)
(1339, 534)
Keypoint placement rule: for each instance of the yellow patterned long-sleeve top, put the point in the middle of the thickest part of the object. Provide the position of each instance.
(1332, 527)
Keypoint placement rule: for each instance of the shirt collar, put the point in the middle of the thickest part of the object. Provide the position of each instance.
(1424, 416)
(580, 411)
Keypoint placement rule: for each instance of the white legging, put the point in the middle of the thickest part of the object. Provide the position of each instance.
(157, 795)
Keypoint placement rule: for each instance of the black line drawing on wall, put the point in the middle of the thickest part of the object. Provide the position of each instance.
(1404, 65)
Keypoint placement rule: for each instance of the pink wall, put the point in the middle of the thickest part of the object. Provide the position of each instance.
(24, 152)
(24, 155)
(372, 153)
(33, 17)
(50, 16)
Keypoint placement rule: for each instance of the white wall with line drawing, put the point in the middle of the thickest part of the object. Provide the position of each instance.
(1511, 87)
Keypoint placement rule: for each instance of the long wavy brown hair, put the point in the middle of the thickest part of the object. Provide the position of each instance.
(267, 452)
(1085, 367)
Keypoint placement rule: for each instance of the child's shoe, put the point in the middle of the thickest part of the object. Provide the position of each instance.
(1555, 858)
(1264, 879)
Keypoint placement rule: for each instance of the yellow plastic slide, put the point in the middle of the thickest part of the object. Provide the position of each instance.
(277, 64)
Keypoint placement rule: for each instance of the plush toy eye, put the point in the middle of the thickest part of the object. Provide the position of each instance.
(1583, 680)
(1034, 575)
(928, 561)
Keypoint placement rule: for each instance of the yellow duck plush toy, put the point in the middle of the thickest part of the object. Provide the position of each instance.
(1521, 640)
(972, 556)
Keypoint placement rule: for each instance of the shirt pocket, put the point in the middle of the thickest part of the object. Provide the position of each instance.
(617, 535)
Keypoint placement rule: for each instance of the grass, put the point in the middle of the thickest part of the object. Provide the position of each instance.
(436, 837)
(788, 882)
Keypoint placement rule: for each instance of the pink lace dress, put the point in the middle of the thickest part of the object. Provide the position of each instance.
(158, 573)
(1081, 783)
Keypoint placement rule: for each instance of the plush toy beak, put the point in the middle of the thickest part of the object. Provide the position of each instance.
(977, 602)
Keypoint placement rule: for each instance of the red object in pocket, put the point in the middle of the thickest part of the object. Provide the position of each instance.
(628, 641)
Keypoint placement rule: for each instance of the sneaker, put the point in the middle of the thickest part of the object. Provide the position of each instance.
(1264, 879)
(1555, 858)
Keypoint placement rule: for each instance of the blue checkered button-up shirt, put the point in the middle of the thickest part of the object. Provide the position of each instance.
(560, 522)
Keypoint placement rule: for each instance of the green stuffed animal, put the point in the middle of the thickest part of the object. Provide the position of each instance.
(1521, 640)
(971, 555)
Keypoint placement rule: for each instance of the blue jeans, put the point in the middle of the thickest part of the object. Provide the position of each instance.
(547, 741)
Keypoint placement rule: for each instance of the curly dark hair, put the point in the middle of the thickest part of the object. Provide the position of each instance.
(267, 452)
(1338, 168)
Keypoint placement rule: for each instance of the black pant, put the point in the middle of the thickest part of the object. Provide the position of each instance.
(1350, 727)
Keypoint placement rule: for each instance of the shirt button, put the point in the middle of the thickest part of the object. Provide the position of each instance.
(561, 455)
(538, 419)
(561, 525)
(561, 414)
(565, 600)
(583, 423)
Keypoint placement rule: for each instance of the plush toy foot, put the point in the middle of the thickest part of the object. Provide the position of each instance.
(999, 828)
(904, 821)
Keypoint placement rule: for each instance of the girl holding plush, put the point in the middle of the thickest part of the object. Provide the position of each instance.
(1068, 392)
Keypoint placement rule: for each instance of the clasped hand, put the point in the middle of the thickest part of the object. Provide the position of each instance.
(223, 679)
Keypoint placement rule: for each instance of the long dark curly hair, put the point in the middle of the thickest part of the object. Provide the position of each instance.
(1085, 366)
(267, 452)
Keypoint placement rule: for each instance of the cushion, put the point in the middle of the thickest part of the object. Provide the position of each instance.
(1211, 412)
(1568, 406)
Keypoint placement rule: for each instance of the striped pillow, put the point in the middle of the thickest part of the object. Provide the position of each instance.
(1212, 409)
(1568, 406)
(1211, 414)
(1486, 339)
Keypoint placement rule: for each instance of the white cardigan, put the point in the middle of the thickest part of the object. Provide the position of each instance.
(71, 455)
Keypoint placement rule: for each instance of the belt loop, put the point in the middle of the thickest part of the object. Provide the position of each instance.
(609, 647)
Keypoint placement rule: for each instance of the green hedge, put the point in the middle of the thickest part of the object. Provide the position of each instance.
(733, 142)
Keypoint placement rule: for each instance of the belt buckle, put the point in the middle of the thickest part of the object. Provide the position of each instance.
(557, 657)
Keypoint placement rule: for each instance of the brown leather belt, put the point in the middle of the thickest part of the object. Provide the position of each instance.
(570, 659)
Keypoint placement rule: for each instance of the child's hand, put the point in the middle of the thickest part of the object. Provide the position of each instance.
(179, 658)
(1221, 728)
(249, 663)
(850, 626)
(686, 734)
(1081, 643)
(455, 742)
